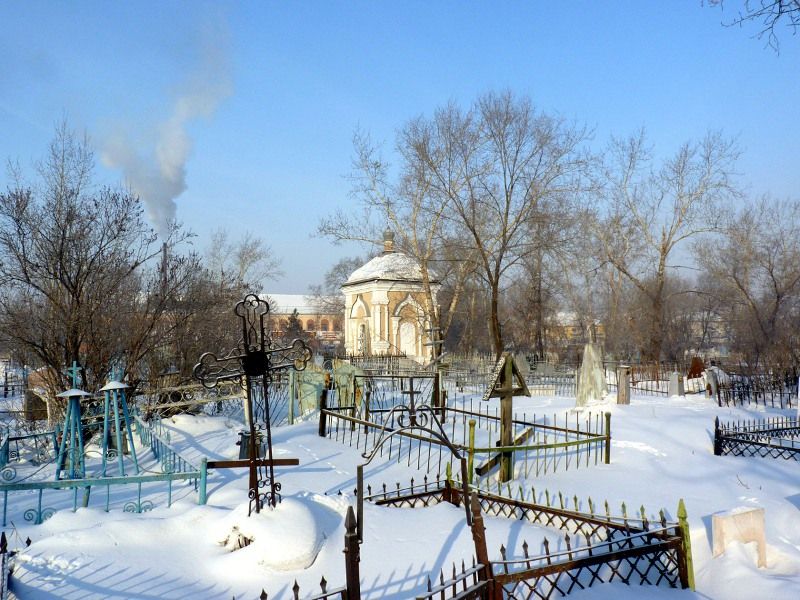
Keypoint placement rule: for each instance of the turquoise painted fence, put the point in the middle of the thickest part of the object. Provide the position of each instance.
(127, 490)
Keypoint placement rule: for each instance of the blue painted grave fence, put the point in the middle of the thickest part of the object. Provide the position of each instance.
(39, 500)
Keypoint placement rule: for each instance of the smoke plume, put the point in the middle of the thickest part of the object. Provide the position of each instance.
(155, 167)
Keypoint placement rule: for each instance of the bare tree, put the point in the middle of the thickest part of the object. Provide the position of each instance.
(415, 215)
(756, 265)
(327, 296)
(770, 14)
(494, 167)
(652, 213)
(73, 263)
(246, 262)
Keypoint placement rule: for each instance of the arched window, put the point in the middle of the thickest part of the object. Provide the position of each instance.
(310, 325)
(324, 325)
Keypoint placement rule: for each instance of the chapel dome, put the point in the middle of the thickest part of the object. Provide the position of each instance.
(394, 266)
(389, 266)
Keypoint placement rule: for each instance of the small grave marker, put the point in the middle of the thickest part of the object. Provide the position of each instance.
(743, 525)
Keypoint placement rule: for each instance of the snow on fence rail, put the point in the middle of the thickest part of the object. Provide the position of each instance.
(767, 438)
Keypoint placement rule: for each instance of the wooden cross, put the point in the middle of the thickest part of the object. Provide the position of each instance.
(254, 361)
(505, 382)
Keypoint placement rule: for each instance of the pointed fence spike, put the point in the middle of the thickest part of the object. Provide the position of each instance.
(323, 584)
(263, 595)
(503, 551)
(575, 502)
(296, 590)
(591, 506)
(525, 548)
(642, 512)
(624, 511)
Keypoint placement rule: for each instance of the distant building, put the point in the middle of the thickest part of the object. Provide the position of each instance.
(385, 307)
(317, 317)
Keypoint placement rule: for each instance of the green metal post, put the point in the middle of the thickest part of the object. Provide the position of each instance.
(608, 438)
(683, 523)
(471, 451)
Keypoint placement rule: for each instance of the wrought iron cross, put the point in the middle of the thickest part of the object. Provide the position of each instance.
(253, 362)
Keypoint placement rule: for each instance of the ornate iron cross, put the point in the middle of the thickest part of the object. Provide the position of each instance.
(253, 362)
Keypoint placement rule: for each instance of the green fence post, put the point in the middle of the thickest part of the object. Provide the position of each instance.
(471, 451)
(608, 439)
(683, 524)
(202, 496)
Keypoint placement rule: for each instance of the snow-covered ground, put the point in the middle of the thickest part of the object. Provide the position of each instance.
(661, 452)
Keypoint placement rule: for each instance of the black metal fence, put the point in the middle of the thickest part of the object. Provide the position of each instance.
(601, 548)
(767, 438)
(774, 389)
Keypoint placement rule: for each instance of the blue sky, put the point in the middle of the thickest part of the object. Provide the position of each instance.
(277, 90)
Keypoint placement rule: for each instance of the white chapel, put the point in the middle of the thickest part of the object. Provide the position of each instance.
(385, 307)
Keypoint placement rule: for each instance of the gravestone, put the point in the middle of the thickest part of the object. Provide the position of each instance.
(696, 368)
(712, 383)
(591, 377)
(744, 524)
(33, 407)
(623, 384)
(676, 384)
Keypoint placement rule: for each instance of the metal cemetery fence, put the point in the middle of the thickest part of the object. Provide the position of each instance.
(130, 491)
(775, 389)
(603, 548)
(646, 379)
(542, 444)
(34, 447)
(768, 438)
(5, 570)
(228, 399)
